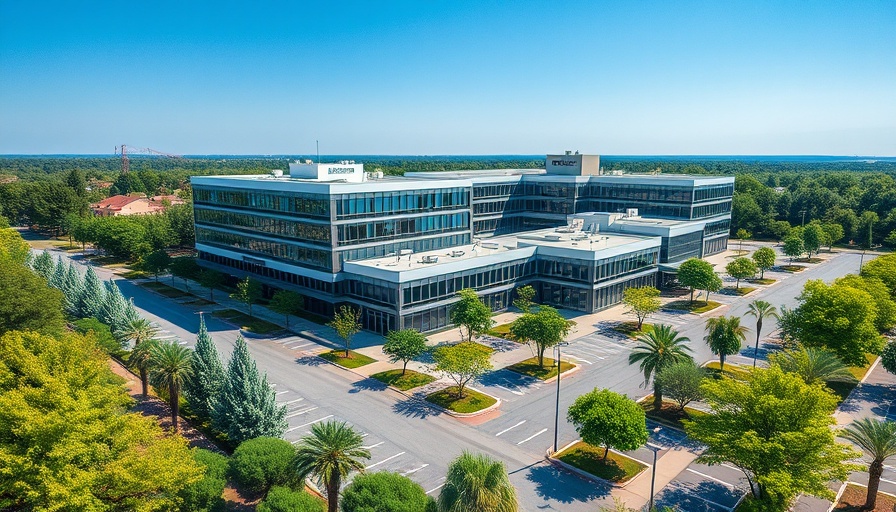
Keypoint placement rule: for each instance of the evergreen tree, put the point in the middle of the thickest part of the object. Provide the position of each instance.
(44, 266)
(113, 306)
(57, 280)
(71, 288)
(92, 295)
(247, 407)
(204, 387)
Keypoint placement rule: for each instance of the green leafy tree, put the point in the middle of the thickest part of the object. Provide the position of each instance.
(883, 268)
(813, 237)
(346, 322)
(681, 382)
(777, 430)
(641, 302)
(180, 220)
(384, 492)
(141, 359)
(261, 463)
(404, 346)
(284, 499)
(877, 439)
(27, 303)
(205, 495)
(888, 357)
(330, 454)
(75, 447)
(545, 329)
(205, 384)
(477, 482)
(185, 268)
(171, 364)
(779, 229)
(470, 315)
(156, 262)
(837, 317)
(741, 268)
(724, 335)
(92, 296)
(286, 303)
(813, 365)
(101, 332)
(608, 419)
(248, 291)
(657, 349)
(760, 310)
(885, 319)
(211, 279)
(833, 233)
(793, 247)
(13, 246)
(462, 363)
(44, 266)
(525, 296)
(742, 234)
(137, 331)
(247, 407)
(697, 274)
(764, 258)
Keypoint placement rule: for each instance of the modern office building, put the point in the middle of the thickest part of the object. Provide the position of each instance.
(400, 248)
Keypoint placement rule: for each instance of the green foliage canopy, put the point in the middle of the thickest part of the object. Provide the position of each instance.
(608, 419)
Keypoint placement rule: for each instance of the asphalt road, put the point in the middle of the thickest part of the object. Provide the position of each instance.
(410, 438)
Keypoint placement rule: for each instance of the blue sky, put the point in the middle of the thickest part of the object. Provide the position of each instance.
(449, 77)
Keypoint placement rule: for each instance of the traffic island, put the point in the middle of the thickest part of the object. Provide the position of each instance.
(765, 281)
(354, 359)
(531, 368)
(246, 322)
(472, 402)
(741, 291)
(853, 498)
(792, 268)
(696, 307)
(409, 380)
(670, 414)
(630, 329)
(597, 463)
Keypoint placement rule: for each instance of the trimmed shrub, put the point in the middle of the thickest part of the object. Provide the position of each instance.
(263, 462)
(384, 492)
(206, 494)
(283, 499)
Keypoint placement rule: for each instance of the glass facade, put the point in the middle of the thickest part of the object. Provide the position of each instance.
(390, 229)
(446, 286)
(678, 248)
(299, 204)
(281, 226)
(379, 204)
(290, 252)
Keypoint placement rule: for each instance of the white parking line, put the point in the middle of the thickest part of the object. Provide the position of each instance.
(520, 393)
(291, 401)
(309, 423)
(300, 346)
(272, 385)
(532, 436)
(373, 445)
(714, 479)
(281, 392)
(580, 359)
(434, 489)
(887, 481)
(385, 460)
(299, 413)
(411, 472)
(510, 428)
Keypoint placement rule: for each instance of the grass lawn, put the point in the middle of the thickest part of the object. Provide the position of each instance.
(761, 281)
(792, 268)
(630, 329)
(164, 289)
(810, 260)
(135, 274)
(669, 414)
(354, 359)
(247, 323)
(698, 306)
(743, 290)
(199, 302)
(471, 402)
(616, 468)
(530, 367)
(501, 331)
(409, 380)
(854, 497)
(734, 371)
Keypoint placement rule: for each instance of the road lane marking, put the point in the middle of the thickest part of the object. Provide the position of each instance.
(299, 413)
(532, 436)
(373, 445)
(510, 428)
(508, 389)
(714, 479)
(580, 359)
(411, 472)
(385, 460)
(300, 346)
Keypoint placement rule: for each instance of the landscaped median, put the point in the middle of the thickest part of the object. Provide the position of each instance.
(354, 359)
(669, 414)
(403, 381)
(631, 329)
(470, 402)
(531, 368)
(695, 307)
(245, 322)
(598, 463)
(738, 290)
(164, 289)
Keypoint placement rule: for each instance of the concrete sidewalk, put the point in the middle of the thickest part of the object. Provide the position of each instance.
(636, 494)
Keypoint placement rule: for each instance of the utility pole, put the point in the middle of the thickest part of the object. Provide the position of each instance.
(803, 213)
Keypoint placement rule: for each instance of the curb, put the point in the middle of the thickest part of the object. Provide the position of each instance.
(588, 476)
(575, 368)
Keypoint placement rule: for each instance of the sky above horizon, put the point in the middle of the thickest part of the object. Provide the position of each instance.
(450, 77)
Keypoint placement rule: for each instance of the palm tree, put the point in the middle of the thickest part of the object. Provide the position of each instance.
(477, 482)
(760, 310)
(138, 331)
(724, 335)
(878, 439)
(330, 453)
(170, 365)
(658, 349)
(814, 365)
(141, 358)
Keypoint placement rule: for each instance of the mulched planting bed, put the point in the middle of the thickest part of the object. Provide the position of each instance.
(669, 414)
(854, 497)
(471, 402)
(615, 468)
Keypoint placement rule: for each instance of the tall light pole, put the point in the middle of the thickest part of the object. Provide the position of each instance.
(654, 448)
(557, 410)
(803, 213)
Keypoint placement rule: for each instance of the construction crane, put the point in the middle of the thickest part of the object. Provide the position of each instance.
(125, 149)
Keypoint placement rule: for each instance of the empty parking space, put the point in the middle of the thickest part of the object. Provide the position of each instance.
(702, 488)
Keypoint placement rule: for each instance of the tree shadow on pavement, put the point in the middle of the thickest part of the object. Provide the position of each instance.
(551, 483)
(704, 496)
(368, 384)
(311, 361)
(415, 408)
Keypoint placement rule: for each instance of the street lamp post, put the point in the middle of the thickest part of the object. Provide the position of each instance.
(557, 410)
(654, 448)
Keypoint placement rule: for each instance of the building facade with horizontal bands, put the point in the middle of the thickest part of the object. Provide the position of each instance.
(400, 248)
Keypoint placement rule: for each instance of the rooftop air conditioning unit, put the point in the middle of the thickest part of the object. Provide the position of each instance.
(457, 254)
(277, 173)
(631, 212)
(430, 259)
(552, 238)
(491, 245)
